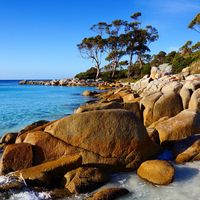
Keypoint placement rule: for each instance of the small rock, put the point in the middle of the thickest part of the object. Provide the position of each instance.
(85, 179)
(109, 194)
(158, 172)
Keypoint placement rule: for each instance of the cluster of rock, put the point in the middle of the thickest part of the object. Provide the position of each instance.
(126, 129)
(71, 82)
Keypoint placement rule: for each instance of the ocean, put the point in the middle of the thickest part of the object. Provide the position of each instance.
(21, 105)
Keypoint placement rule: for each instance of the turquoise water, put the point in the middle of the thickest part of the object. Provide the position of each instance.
(21, 105)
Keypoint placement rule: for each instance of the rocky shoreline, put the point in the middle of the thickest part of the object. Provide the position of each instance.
(125, 129)
(71, 82)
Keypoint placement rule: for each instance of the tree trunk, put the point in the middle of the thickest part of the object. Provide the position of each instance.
(98, 72)
(130, 64)
(140, 61)
(114, 69)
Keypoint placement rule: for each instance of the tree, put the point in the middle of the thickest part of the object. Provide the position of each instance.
(138, 40)
(92, 48)
(195, 23)
(144, 38)
(196, 47)
(115, 44)
(186, 48)
(101, 28)
(159, 58)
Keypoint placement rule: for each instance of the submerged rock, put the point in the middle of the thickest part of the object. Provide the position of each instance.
(158, 172)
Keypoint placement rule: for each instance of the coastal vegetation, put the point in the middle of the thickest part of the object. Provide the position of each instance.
(125, 46)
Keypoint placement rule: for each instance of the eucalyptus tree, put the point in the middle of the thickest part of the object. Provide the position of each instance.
(186, 48)
(159, 58)
(145, 36)
(138, 40)
(195, 23)
(196, 47)
(93, 48)
(115, 45)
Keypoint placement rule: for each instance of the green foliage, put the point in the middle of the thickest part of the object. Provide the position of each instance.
(146, 69)
(180, 62)
(195, 23)
(89, 74)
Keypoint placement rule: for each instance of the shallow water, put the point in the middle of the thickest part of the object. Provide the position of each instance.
(21, 105)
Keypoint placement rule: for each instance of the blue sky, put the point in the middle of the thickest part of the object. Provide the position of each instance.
(38, 38)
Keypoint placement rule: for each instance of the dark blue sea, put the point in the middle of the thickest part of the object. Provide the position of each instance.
(21, 105)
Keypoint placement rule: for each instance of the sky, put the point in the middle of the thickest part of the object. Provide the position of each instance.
(38, 38)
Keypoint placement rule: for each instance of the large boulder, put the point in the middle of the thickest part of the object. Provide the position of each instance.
(185, 124)
(169, 104)
(174, 86)
(185, 95)
(108, 194)
(192, 82)
(158, 105)
(158, 172)
(85, 179)
(16, 157)
(194, 103)
(49, 173)
(111, 134)
(147, 103)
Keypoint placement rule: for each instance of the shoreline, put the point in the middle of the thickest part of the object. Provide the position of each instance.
(118, 106)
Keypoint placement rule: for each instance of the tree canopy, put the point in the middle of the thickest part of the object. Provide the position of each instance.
(195, 23)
